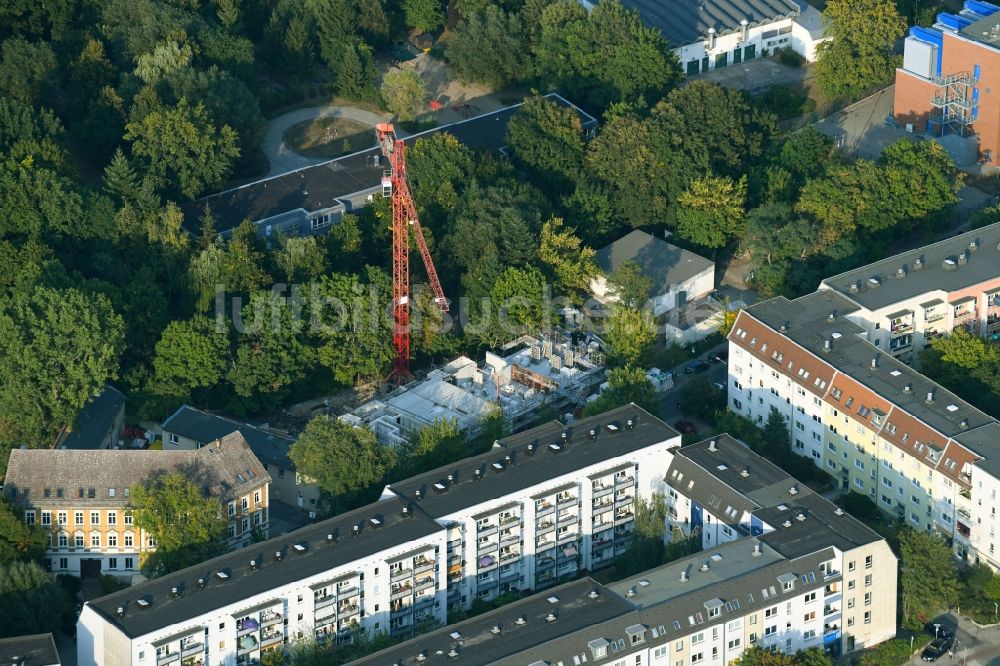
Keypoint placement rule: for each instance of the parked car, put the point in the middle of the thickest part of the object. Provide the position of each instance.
(695, 366)
(936, 649)
(685, 427)
(720, 357)
(721, 388)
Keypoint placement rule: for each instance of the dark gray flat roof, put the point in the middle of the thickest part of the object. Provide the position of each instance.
(271, 448)
(477, 645)
(94, 420)
(583, 620)
(982, 265)
(318, 187)
(765, 488)
(666, 264)
(984, 440)
(577, 451)
(243, 583)
(34, 650)
(808, 325)
(687, 21)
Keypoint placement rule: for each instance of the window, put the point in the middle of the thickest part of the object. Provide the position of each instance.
(245, 524)
(809, 617)
(809, 635)
(78, 540)
(868, 598)
(63, 563)
(172, 438)
(29, 517)
(698, 638)
(112, 517)
(695, 658)
(850, 565)
(850, 622)
(660, 652)
(245, 503)
(232, 509)
(770, 631)
(128, 517)
(95, 540)
(868, 562)
(735, 643)
(95, 517)
(679, 645)
(128, 540)
(810, 597)
(63, 541)
(770, 612)
(868, 617)
(78, 518)
(256, 497)
(112, 540)
(850, 602)
(113, 564)
(46, 518)
(130, 563)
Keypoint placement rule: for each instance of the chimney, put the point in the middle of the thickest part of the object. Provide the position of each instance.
(419, 495)
(930, 398)
(712, 447)
(831, 316)
(908, 388)
(329, 536)
(630, 424)
(593, 433)
(684, 576)
(744, 28)
(874, 364)
(963, 258)
(756, 550)
(918, 263)
(710, 44)
(827, 345)
(531, 449)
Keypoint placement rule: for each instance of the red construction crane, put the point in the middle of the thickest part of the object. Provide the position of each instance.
(404, 216)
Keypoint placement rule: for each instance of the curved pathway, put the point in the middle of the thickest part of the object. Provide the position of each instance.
(283, 159)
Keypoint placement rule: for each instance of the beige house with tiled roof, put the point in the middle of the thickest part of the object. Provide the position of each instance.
(82, 497)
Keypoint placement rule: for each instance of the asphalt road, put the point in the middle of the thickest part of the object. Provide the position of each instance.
(668, 403)
(975, 646)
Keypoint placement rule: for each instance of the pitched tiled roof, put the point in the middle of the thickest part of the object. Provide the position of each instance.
(270, 447)
(95, 420)
(226, 468)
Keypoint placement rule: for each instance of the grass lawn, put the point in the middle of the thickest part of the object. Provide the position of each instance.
(329, 137)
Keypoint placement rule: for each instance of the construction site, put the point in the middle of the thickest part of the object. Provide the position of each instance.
(529, 373)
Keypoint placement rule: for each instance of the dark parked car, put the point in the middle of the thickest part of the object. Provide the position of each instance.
(721, 357)
(685, 427)
(695, 366)
(936, 649)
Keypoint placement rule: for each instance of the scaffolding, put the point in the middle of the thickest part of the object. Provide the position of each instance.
(955, 103)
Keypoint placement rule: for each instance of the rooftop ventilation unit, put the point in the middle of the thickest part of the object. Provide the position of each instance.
(949, 264)
(201, 583)
(253, 565)
(356, 530)
(963, 258)
(684, 576)
(495, 630)
(827, 345)
(222, 575)
(756, 550)
(787, 523)
(555, 448)
(452, 653)
(930, 397)
(901, 272)
(832, 316)
(918, 263)
(745, 472)
(451, 479)
(838, 511)
(593, 433)
(418, 494)
(120, 611)
(794, 490)
(406, 512)
(375, 522)
(478, 474)
(497, 467)
(175, 592)
(631, 592)
(531, 449)
(551, 617)
(974, 245)
(800, 517)
(712, 447)
(874, 282)
(143, 603)
(521, 621)
(509, 459)
(908, 388)
(329, 536)
(593, 594)
(964, 423)
(705, 567)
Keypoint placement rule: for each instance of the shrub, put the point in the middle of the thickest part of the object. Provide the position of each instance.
(890, 653)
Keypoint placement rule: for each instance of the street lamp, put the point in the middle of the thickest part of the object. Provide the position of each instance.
(936, 627)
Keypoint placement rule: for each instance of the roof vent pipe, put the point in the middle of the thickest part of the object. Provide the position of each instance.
(827, 345)
(756, 550)
(712, 447)
(744, 28)
(710, 44)
(918, 263)
(908, 388)
(684, 576)
(963, 258)
(930, 397)
(874, 364)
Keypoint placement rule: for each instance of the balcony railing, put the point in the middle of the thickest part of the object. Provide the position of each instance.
(544, 509)
(488, 530)
(568, 500)
(623, 501)
(602, 491)
(510, 520)
(507, 557)
(323, 602)
(400, 592)
(271, 639)
(192, 649)
(423, 584)
(400, 574)
(167, 658)
(270, 618)
(422, 566)
(625, 481)
(510, 538)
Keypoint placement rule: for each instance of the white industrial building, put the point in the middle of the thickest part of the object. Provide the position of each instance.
(547, 370)
(537, 509)
(712, 34)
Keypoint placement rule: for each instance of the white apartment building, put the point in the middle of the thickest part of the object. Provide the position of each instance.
(473, 529)
(872, 422)
(904, 301)
(812, 576)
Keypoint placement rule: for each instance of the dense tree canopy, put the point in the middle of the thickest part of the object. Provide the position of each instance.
(339, 457)
(859, 56)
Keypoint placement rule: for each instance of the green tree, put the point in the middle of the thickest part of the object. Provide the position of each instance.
(404, 93)
(756, 656)
(711, 211)
(340, 458)
(775, 435)
(32, 134)
(423, 15)
(244, 261)
(921, 178)
(630, 285)
(188, 526)
(181, 145)
(356, 73)
(438, 167)
(626, 385)
(859, 54)
(228, 12)
(572, 263)
(437, 444)
(190, 354)
(548, 138)
(814, 656)
(629, 333)
(300, 258)
(489, 47)
(33, 600)
(992, 588)
(25, 69)
(162, 60)
(966, 350)
(929, 579)
(517, 305)
(19, 541)
(701, 399)
(57, 349)
(355, 338)
(646, 549)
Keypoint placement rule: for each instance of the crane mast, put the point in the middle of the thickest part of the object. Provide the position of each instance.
(404, 216)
